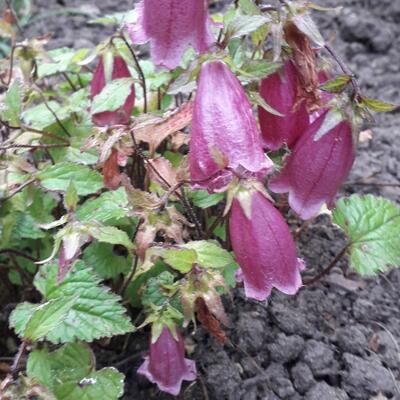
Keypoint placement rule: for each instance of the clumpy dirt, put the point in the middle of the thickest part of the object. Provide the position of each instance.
(338, 339)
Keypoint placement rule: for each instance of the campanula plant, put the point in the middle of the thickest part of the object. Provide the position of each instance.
(145, 179)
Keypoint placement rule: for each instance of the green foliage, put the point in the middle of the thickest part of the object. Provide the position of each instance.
(70, 374)
(93, 311)
(59, 176)
(373, 227)
(11, 109)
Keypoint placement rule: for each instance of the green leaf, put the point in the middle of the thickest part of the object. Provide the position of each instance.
(337, 84)
(70, 374)
(154, 293)
(202, 199)
(248, 7)
(46, 317)
(111, 205)
(242, 25)
(112, 235)
(60, 61)
(58, 177)
(210, 254)
(257, 69)
(378, 105)
(71, 197)
(373, 227)
(102, 258)
(21, 315)
(256, 98)
(11, 108)
(180, 259)
(113, 95)
(97, 312)
(40, 117)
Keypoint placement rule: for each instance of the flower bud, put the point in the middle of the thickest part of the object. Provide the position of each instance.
(225, 139)
(166, 364)
(172, 26)
(280, 91)
(317, 166)
(122, 115)
(263, 246)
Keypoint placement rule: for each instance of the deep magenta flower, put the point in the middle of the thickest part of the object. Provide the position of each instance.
(166, 364)
(223, 127)
(280, 91)
(315, 169)
(172, 26)
(263, 246)
(122, 115)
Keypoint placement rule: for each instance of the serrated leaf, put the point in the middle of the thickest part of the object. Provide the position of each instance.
(58, 177)
(306, 24)
(59, 60)
(11, 108)
(337, 84)
(257, 69)
(69, 373)
(112, 235)
(180, 259)
(373, 227)
(378, 105)
(97, 313)
(39, 117)
(210, 254)
(46, 317)
(203, 199)
(153, 293)
(113, 96)
(242, 25)
(256, 98)
(21, 315)
(111, 205)
(103, 260)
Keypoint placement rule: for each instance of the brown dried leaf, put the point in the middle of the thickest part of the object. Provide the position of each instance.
(164, 169)
(154, 132)
(306, 65)
(209, 321)
(111, 172)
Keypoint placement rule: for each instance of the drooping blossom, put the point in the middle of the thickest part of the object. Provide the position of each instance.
(224, 128)
(263, 246)
(99, 81)
(172, 26)
(280, 91)
(315, 169)
(166, 364)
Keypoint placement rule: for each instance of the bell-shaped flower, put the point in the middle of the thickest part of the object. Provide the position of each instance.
(122, 115)
(166, 364)
(225, 139)
(280, 91)
(318, 164)
(263, 246)
(172, 26)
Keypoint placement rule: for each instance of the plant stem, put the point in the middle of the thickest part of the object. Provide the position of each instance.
(140, 71)
(21, 187)
(19, 254)
(346, 70)
(329, 267)
(18, 356)
(130, 276)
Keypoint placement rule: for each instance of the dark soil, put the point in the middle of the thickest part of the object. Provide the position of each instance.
(338, 339)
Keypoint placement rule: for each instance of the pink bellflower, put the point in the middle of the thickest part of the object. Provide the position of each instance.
(263, 246)
(166, 364)
(172, 26)
(280, 91)
(122, 115)
(225, 140)
(315, 169)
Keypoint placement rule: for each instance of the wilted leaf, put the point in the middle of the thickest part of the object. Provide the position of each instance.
(373, 227)
(307, 25)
